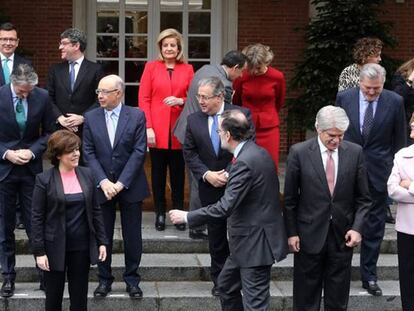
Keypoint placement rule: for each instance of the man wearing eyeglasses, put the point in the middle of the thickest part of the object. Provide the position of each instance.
(208, 163)
(72, 83)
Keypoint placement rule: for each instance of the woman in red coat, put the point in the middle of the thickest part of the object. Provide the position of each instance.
(262, 89)
(162, 94)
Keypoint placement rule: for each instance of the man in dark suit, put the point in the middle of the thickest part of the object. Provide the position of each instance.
(326, 200)
(257, 234)
(377, 123)
(231, 68)
(114, 146)
(208, 165)
(25, 124)
(72, 83)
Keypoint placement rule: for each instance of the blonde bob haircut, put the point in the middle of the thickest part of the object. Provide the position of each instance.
(172, 33)
(258, 55)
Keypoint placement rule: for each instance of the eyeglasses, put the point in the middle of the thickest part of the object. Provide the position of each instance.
(104, 92)
(64, 43)
(5, 40)
(204, 98)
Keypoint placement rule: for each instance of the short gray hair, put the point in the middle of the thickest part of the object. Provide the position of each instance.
(215, 83)
(24, 74)
(330, 117)
(372, 71)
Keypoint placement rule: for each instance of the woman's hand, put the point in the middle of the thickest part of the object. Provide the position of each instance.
(150, 137)
(42, 262)
(102, 253)
(173, 101)
(405, 183)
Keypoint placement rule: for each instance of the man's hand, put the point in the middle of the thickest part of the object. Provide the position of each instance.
(43, 262)
(177, 216)
(217, 178)
(405, 183)
(25, 154)
(119, 187)
(17, 157)
(150, 137)
(108, 189)
(294, 243)
(74, 120)
(102, 253)
(66, 123)
(352, 238)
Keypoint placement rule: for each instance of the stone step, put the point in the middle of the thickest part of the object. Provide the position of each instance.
(195, 296)
(196, 267)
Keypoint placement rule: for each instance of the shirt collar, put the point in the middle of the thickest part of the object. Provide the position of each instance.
(361, 95)
(238, 148)
(11, 57)
(116, 110)
(323, 148)
(14, 95)
(79, 60)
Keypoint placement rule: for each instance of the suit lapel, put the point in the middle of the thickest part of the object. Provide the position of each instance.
(64, 74)
(354, 116)
(101, 127)
(342, 165)
(12, 113)
(380, 114)
(60, 193)
(31, 106)
(86, 189)
(205, 133)
(2, 82)
(122, 122)
(81, 73)
(316, 160)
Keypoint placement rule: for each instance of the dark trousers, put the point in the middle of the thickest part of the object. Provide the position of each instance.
(77, 270)
(161, 159)
(253, 282)
(330, 269)
(405, 244)
(131, 218)
(218, 246)
(372, 235)
(19, 183)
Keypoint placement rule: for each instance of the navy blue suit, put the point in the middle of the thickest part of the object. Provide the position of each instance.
(16, 62)
(387, 136)
(124, 162)
(19, 179)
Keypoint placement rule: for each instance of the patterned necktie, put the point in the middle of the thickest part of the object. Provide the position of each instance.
(368, 121)
(20, 115)
(72, 74)
(330, 172)
(110, 124)
(215, 139)
(6, 70)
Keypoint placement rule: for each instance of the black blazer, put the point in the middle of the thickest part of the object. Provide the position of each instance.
(200, 156)
(309, 205)
(250, 203)
(83, 97)
(48, 217)
(17, 61)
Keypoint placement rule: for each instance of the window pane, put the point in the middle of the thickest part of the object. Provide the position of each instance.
(199, 47)
(171, 5)
(107, 46)
(198, 65)
(199, 22)
(136, 22)
(109, 66)
(107, 21)
(133, 71)
(135, 47)
(137, 2)
(172, 20)
(131, 95)
(199, 4)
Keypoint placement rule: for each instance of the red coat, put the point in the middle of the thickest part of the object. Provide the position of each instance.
(156, 85)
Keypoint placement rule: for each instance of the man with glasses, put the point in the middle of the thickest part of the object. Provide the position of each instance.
(208, 163)
(72, 83)
(114, 147)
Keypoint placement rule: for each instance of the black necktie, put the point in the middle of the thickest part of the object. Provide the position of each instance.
(368, 121)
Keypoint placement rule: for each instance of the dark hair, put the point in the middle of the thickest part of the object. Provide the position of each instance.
(235, 122)
(366, 47)
(233, 58)
(7, 27)
(61, 142)
(75, 35)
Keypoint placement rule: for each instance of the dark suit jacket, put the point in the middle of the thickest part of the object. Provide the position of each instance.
(387, 136)
(48, 217)
(17, 61)
(83, 97)
(199, 153)
(39, 125)
(308, 201)
(125, 161)
(250, 203)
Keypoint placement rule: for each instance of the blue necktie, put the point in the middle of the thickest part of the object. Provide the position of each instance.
(72, 74)
(368, 121)
(6, 71)
(215, 139)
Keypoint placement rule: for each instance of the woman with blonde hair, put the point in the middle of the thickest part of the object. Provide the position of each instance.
(262, 90)
(162, 94)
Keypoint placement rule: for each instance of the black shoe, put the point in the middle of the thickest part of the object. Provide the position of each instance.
(160, 222)
(372, 288)
(7, 289)
(197, 234)
(20, 226)
(180, 227)
(102, 290)
(134, 292)
(215, 292)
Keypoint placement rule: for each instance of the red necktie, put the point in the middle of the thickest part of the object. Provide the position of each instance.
(330, 172)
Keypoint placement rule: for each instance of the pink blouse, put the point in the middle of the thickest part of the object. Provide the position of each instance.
(70, 182)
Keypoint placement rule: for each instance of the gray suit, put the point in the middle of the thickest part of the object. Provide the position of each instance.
(256, 230)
